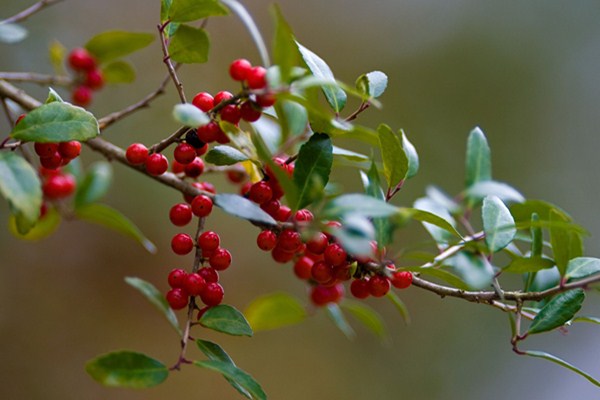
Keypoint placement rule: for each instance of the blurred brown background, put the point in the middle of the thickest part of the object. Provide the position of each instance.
(526, 72)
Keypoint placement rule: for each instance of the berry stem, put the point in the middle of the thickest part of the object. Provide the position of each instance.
(168, 63)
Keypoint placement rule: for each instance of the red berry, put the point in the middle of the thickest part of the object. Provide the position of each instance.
(177, 167)
(45, 149)
(266, 100)
(195, 168)
(94, 79)
(257, 78)
(238, 70)
(303, 215)
(52, 162)
(177, 278)
(266, 240)
(335, 254)
(260, 192)
(59, 186)
(203, 101)
(202, 206)
(250, 111)
(276, 188)
(82, 96)
(208, 133)
(360, 288)
(222, 137)
(177, 298)
(209, 241)
(184, 153)
(210, 275)
(194, 284)
(379, 286)
(180, 214)
(289, 240)
(81, 60)
(321, 272)
(200, 151)
(402, 279)
(318, 243)
(136, 154)
(342, 272)
(281, 256)
(212, 295)
(208, 187)
(220, 259)
(271, 207)
(231, 113)
(222, 96)
(70, 149)
(182, 244)
(157, 164)
(303, 267)
(236, 176)
(321, 295)
(283, 214)
(245, 189)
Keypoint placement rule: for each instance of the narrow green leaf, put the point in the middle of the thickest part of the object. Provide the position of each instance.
(334, 312)
(56, 122)
(189, 45)
(440, 235)
(165, 6)
(561, 242)
(349, 154)
(224, 155)
(400, 306)
(561, 309)
(367, 316)
(312, 168)
(395, 162)
(357, 204)
(383, 228)
(226, 319)
(274, 311)
(591, 320)
(430, 218)
(411, 155)
(285, 50)
(12, 33)
(192, 10)
(243, 208)
(582, 267)
(216, 353)
(235, 374)
(190, 115)
(43, 228)
(20, 185)
(95, 184)
(562, 363)
(111, 45)
(478, 161)
(372, 84)
(335, 96)
(112, 219)
(506, 193)
(446, 276)
(498, 224)
(523, 265)
(127, 369)
(118, 72)
(156, 298)
(537, 238)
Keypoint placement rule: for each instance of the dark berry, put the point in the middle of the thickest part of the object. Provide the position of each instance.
(182, 244)
(177, 298)
(202, 206)
(266, 240)
(184, 153)
(136, 154)
(177, 278)
(191, 138)
(180, 214)
(212, 295)
(238, 70)
(156, 164)
(203, 101)
(220, 259)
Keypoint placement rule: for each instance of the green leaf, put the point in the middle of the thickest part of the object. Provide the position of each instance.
(127, 369)
(356, 234)
(192, 10)
(12, 33)
(523, 265)
(190, 115)
(478, 161)
(522, 211)
(274, 311)
(400, 306)
(561, 242)
(292, 116)
(236, 375)
(43, 228)
(506, 193)
(20, 185)
(189, 45)
(118, 72)
(334, 312)
(216, 353)
(474, 270)
(582, 267)
(430, 218)
(537, 238)
(383, 228)
(349, 154)
(111, 45)
(156, 298)
(53, 96)
(412, 156)
(112, 219)
(285, 48)
(165, 6)
(395, 162)
(335, 96)
(440, 235)
(243, 208)
(56, 122)
(591, 320)
(312, 168)
(224, 155)
(442, 200)
(95, 184)
(561, 309)
(367, 316)
(562, 363)
(357, 204)
(498, 224)
(444, 275)
(372, 84)
(226, 319)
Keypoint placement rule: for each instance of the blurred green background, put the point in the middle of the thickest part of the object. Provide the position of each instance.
(526, 72)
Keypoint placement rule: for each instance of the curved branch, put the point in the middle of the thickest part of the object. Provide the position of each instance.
(33, 77)
(28, 12)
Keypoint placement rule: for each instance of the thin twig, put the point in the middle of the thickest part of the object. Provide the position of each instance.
(172, 138)
(40, 79)
(28, 12)
(7, 112)
(168, 63)
(363, 106)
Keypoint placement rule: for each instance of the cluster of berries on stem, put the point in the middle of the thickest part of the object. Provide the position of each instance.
(88, 77)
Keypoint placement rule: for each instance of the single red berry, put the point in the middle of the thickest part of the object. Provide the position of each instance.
(222, 137)
(52, 162)
(266, 100)
(209, 274)
(177, 278)
(256, 78)
(59, 186)
(250, 111)
(182, 244)
(231, 113)
(236, 176)
(203, 101)
(402, 279)
(360, 288)
(238, 69)
(271, 207)
(180, 214)
(157, 164)
(202, 206)
(283, 214)
(195, 168)
(266, 240)
(82, 96)
(318, 243)
(184, 153)
(303, 215)
(220, 259)
(379, 286)
(212, 295)
(335, 254)
(281, 256)
(136, 154)
(208, 133)
(81, 60)
(69, 150)
(177, 298)
(303, 267)
(45, 149)
(222, 96)
(245, 188)
(209, 241)
(177, 167)
(321, 272)
(289, 240)
(260, 192)
(194, 284)
(94, 79)
(321, 295)
(342, 272)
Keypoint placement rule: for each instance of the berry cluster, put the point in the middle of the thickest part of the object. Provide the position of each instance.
(55, 155)
(88, 77)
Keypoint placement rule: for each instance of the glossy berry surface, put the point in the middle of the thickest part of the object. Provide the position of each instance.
(202, 206)
(335, 254)
(303, 267)
(177, 278)
(260, 192)
(45, 149)
(156, 164)
(209, 274)
(238, 69)
(318, 243)
(59, 186)
(250, 111)
(203, 101)
(81, 60)
(266, 240)
(136, 154)
(360, 288)
(70, 149)
(379, 286)
(182, 244)
(180, 214)
(195, 168)
(212, 295)
(82, 96)
(289, 240)
(231, 113)
(194, 284)
(322, 295)
(402, 279)
(184, 153)
(177, 298)
(321, 272)
(257, 78)
(209, 241)
(222, 96)
(208, 133)
(220, 259)
(52, 162)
